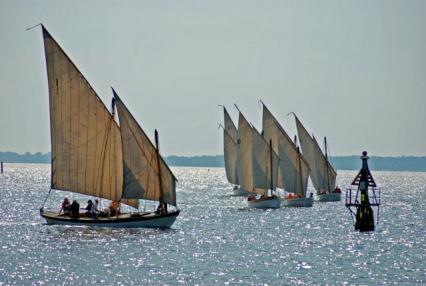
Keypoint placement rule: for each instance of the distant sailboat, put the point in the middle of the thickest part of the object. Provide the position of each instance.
(94, 156)
(293, 171)
(323, 175)
(230, 146)
(258, 166)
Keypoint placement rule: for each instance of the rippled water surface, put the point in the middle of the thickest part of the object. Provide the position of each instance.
(216, 240)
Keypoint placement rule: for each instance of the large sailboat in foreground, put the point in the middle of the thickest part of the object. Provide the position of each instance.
(323, 175)
(258, 166)
(293, 169)
(230, 154)
(93, 155)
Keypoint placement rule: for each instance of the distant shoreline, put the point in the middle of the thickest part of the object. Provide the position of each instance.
(402, 163)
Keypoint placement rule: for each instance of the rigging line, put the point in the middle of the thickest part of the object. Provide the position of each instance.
(224, 129)
(237, 108)
(30, 28)
(243, 116)
(45, 200)
(230, 137)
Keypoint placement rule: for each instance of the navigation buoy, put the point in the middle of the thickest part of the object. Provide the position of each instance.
(363, 215)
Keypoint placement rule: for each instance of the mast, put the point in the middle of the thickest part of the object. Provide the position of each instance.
(270, 159)
(300, 171)
(299, 164)
(159, 169)
(326, 165)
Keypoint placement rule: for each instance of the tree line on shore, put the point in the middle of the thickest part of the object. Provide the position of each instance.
(402, 163)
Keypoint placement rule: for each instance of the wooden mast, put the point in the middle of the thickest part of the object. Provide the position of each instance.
(270, 158)
(159, 171)
(327, 170)
(299, 164)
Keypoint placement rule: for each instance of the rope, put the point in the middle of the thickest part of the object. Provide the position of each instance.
(45, 200)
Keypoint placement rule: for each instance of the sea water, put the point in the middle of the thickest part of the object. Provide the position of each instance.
(216, 239)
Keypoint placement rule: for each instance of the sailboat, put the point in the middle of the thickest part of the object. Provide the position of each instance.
(293, 169)
(258, 166)
(323, 175)
(230, 146)
(93, 155)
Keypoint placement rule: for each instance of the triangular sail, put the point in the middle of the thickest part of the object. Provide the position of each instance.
(293, 168)
(140, 166)
(230, 138)
(85, 139)
(270, 132)
(323, 175)
(245, 165)
(255, 159)
(263, 169)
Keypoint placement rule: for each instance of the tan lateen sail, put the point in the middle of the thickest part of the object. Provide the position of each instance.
(323, 175)
(264, 171)
(145, 174)
(245, 158)
(255, 172)
(85, 139)
(270, 132)
(230, 143)
(293, 168)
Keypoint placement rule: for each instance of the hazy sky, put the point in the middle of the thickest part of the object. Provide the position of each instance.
(354, 71)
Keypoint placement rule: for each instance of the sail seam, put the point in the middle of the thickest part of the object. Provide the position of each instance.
(87, 142)
(102, 158)
(78, 132)
(70, 126)
(62, 129)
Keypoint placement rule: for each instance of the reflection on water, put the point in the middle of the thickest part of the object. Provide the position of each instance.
(90, 233)
(216, 239)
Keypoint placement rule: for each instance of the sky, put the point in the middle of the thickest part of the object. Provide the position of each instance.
(354, 71)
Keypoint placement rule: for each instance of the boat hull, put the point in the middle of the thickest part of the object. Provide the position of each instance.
(145, 220)
(331, 197)
(238, 191)
(265, 203)
(298, 202)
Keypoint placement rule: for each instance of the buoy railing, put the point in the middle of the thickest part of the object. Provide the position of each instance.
(352, 197)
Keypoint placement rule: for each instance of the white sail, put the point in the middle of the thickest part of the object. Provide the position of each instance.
(255, 159)
(293, 168)
(270, 132)
(85, 139)
(323, 175)
(245, 166)
(140, 163)
(230, 138)
(265, 171)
